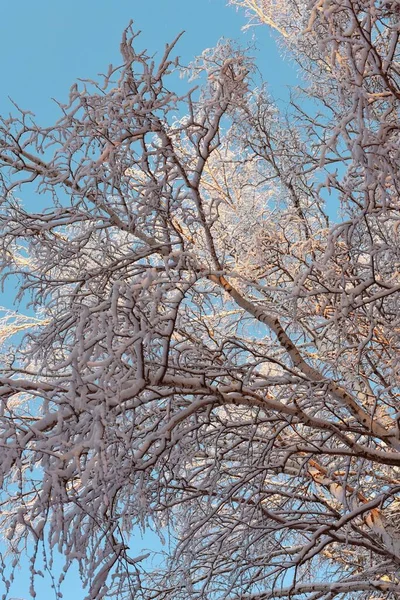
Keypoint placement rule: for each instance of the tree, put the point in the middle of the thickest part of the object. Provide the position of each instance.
(213, 353)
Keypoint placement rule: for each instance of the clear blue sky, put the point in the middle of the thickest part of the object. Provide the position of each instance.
(46, 45)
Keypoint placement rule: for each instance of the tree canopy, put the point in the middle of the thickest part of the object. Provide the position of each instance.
(214, 346)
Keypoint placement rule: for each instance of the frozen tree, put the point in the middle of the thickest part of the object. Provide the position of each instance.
(214, 352)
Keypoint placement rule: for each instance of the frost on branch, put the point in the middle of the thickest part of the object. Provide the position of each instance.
(211, 356)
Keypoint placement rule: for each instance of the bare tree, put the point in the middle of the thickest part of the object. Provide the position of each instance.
(213, 355)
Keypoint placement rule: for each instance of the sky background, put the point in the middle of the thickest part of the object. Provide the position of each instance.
(46, 45)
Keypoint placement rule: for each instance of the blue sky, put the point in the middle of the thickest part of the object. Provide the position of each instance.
(46, 45)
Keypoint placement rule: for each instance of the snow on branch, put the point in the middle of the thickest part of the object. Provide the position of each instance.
(210, 353)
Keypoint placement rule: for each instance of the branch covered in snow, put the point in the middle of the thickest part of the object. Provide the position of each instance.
(213, 355)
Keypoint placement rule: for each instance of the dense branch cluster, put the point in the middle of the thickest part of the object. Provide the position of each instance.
(216, 341)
